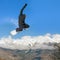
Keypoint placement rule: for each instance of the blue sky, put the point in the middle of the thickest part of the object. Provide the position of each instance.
(43, 16)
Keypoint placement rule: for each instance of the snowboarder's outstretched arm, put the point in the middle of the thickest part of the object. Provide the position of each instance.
(21, 12)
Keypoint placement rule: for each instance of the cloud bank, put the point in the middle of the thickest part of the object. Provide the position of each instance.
(30, 42)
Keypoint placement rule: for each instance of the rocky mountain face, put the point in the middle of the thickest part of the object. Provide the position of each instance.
(36, 54)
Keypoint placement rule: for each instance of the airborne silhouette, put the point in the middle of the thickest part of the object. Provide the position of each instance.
(21, 20)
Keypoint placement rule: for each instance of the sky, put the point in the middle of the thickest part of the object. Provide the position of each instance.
(43, 16)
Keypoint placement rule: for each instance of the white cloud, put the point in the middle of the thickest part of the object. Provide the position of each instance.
(27, 42)
(14, 21)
